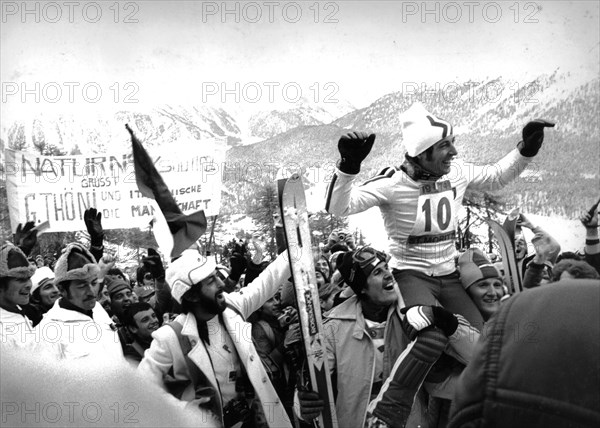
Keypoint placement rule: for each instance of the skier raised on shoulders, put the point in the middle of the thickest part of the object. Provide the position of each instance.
(419, 202)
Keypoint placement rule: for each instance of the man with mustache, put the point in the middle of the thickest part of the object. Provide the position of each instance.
(77, 326)
(208, 349)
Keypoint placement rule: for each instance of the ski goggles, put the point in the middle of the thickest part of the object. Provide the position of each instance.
(366, 259)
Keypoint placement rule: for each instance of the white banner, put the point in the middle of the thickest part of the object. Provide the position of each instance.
(58, 189)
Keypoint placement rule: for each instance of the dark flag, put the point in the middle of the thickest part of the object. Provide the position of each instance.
(185, 229)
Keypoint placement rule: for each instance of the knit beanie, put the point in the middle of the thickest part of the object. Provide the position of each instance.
(474, 266)
(189, 269)
(114, 284)
(421, 129)
(76, 262)
(356, 276)
(13, 263)
(143, 291)
(41, 276)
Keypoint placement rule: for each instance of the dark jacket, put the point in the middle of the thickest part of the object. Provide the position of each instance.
(539, 363)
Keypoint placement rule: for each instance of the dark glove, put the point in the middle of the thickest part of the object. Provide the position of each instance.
(354, 148)
(153, 264)
(238, 263)
(93, 223)
(25, 237)
(533, 136)
(420, 317)
(444, 320)
(253, 270)
(311, 405)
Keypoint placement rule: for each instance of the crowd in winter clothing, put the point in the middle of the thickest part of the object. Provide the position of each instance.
(421, 335)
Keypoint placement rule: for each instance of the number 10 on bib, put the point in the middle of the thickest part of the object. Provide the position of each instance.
(292, 201)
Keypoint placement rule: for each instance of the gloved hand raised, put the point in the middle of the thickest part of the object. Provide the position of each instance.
(93, 224)
(25, 237)
(354, 147)
(153, 264)
(533, 136)
(238, 263)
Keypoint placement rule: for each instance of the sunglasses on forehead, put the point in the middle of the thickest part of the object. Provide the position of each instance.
(366, 259)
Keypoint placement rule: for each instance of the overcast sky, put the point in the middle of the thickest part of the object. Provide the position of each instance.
(170, 52)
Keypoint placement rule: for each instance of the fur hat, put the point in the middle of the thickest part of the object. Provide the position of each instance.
(13, 263)
(76, 262)
(114, 284)
(41, 276)
(356, 276)
(421, 129)
(473, 266)
(189, 269)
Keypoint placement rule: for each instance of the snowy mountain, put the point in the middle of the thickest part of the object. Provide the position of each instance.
(488, 118)
(267, 124)
(100, 130)
(74, 132)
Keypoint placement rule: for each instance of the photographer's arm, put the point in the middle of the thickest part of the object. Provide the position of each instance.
(589, 220)
(546, 247)
(545, 250)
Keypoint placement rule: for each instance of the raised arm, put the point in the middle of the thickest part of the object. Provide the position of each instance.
(495, 176)
(342, 197)
(253, 296)
(589, 219)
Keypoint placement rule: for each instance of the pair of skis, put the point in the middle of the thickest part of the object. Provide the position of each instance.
(294, 214)
(505, 235)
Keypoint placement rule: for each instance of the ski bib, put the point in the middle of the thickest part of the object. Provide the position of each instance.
(436, 220)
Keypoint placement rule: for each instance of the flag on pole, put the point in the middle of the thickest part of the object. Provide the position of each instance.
(184, 229)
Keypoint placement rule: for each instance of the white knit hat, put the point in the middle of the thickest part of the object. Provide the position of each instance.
(41, 276)
(421, 129)
(189, 269)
